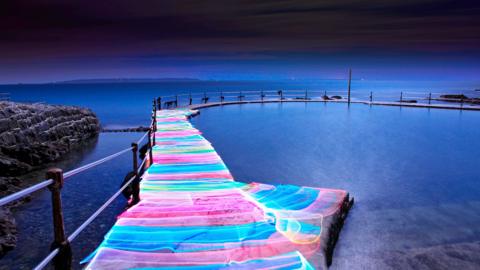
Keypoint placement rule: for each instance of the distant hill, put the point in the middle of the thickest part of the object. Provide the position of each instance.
(127, 80)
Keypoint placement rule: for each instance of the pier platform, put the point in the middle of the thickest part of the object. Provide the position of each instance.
(193, 215)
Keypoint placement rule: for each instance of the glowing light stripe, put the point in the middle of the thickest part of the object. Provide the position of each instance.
(192, 215)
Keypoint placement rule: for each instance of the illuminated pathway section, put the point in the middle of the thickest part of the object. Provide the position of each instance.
(193, 215)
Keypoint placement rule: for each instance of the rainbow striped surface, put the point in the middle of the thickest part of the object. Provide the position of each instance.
(193, 215)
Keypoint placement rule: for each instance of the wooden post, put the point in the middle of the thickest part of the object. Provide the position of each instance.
(63, 260)
(190, 98)
(205, 97)
(221, 97)
(325, 96)
(261, 95)
(150, 146)
(349, 84)
(240, 96)
(306, 95)
(159, 103)
(136, 181)
(401, 97)
(461, 101)
(371, 96)
(430, 98)
(154, 112)
(176, 101)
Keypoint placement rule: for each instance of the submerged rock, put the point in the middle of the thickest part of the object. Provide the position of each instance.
(31, 136)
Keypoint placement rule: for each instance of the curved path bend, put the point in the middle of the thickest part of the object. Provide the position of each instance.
(193, 215)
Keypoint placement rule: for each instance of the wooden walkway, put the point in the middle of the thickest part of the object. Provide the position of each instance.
(193, 215)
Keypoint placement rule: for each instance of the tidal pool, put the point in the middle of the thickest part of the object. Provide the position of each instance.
(414, 173)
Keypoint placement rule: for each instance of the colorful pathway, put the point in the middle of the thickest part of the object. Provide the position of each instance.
(193, 215)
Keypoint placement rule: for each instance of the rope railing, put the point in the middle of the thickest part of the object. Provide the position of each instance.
(61, 251)
(95, 163)
(25, 192)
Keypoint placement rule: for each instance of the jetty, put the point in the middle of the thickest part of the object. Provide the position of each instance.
(186, 211)
(192, 213)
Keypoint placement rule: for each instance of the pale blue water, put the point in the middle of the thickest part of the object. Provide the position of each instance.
(413, 172)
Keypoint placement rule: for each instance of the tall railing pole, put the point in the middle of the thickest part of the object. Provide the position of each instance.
(159, 103)
(430, 98)
(154, 105)
(176, 101)
(154, 127)
(63, 260)
(136, 182)
(150, 146)
(262, 95)
(349, 84)
(371, 96)
(401, 97)
(190, 98)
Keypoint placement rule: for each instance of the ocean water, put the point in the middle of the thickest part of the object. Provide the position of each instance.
(129, 104)
(413, 172)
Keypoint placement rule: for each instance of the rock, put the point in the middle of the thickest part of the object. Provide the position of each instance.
(31, 136)
(8, 230)
(461, 96)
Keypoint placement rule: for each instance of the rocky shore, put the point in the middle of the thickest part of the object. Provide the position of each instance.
(31, 137)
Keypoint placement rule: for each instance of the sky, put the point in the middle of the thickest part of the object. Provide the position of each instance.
(55, 40)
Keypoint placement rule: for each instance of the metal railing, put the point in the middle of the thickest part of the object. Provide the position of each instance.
(61, 252)
(401, 98)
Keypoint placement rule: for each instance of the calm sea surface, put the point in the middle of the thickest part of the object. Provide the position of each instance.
(413, 172)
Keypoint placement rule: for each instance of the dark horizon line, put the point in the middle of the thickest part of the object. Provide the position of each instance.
(187, 79)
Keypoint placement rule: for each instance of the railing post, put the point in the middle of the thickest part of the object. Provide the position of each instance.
(63, 260)
(176, 101)
(430, 98)
(136, 181)
(325, 96)
(349, 84)
(154, 106)
(190, 98)
(205, 97)
(306, 95)
(401, 97)
(371, 96)
(159, 103)
(150, 155)
(154, 127)
(262, 95)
